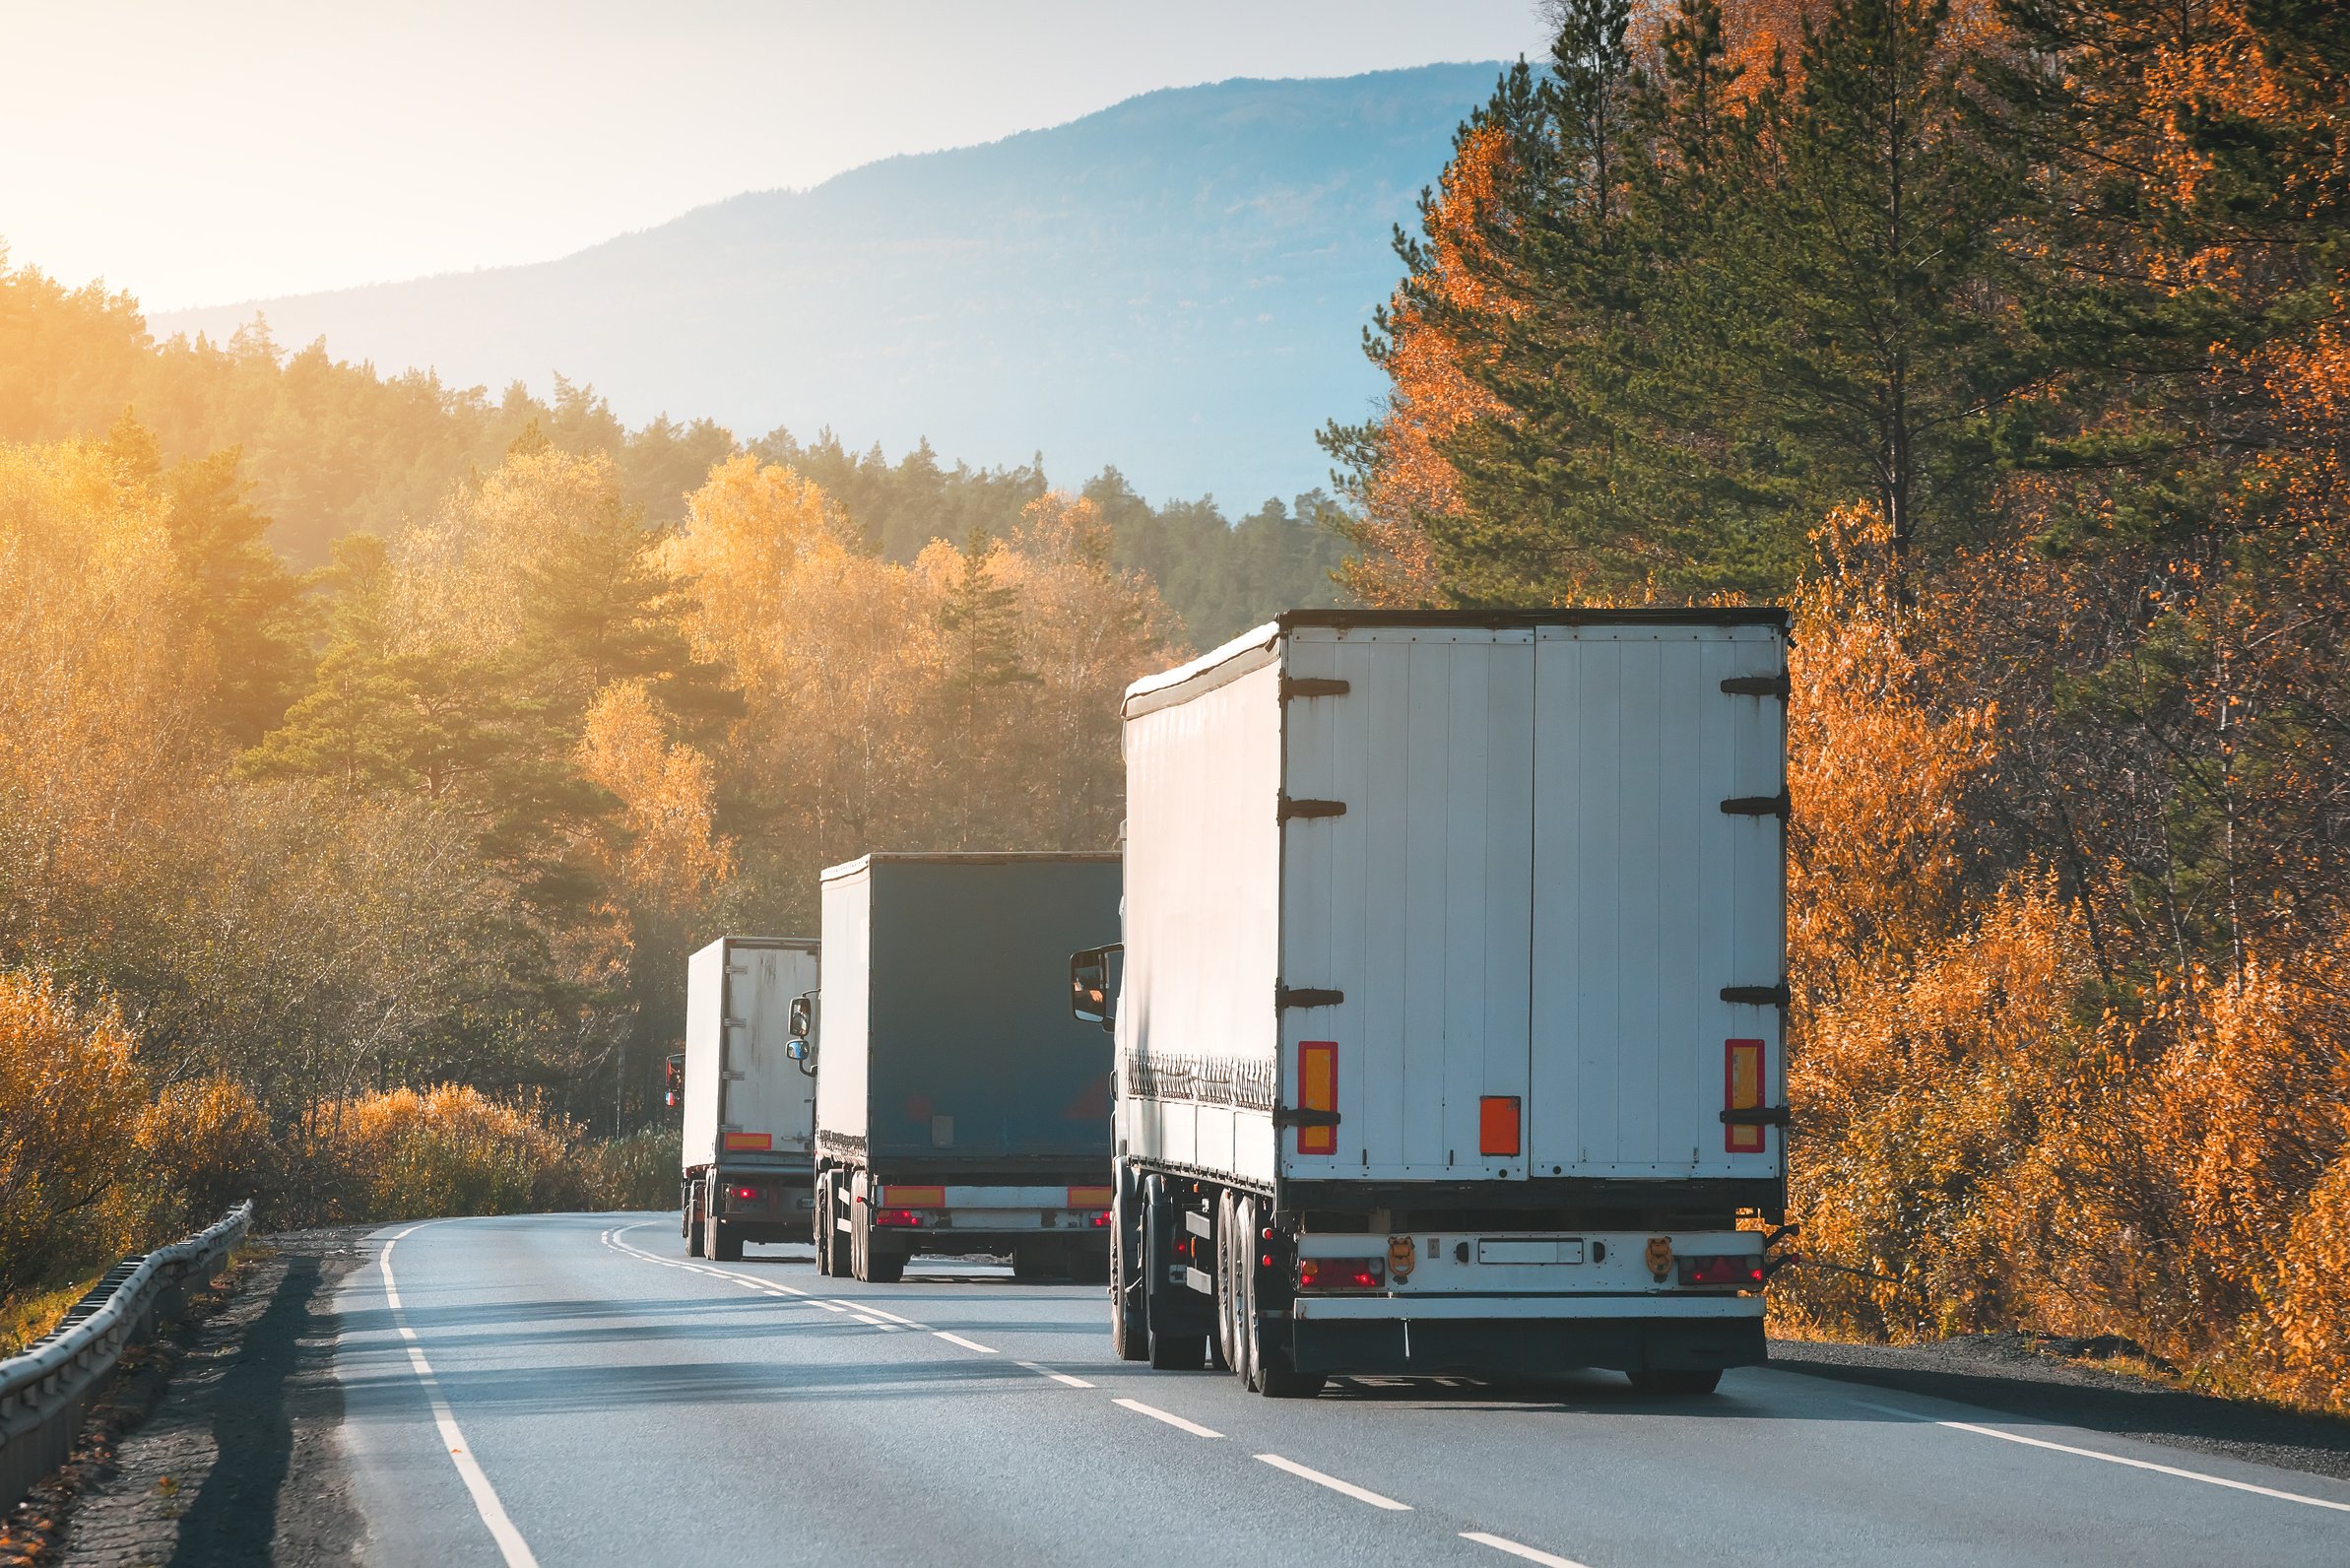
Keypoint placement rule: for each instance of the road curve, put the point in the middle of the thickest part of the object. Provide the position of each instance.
(572, 1389)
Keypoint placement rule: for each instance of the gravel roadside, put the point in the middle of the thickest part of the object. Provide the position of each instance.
(2011, 1374)
(242, 1461)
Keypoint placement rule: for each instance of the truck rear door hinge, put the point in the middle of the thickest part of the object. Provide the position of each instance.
(1756, 686)
(1757, 995)
(1756, 1116)
(1293, 808)
(1312, 685)
(1291, 1115)
(1778, 805)
(1305, 997)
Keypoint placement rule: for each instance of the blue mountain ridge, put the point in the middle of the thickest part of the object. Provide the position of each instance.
(1176, 285)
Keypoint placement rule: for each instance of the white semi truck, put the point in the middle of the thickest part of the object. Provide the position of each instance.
(1449, 1013)
(749, 1107)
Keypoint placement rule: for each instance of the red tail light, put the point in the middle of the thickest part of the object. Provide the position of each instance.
(904, 1218)
(1101, 1219)
(748, 1195)
(1341, 1274)
(1743, 1273)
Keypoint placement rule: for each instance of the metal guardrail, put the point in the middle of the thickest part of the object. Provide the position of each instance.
(46, 1391)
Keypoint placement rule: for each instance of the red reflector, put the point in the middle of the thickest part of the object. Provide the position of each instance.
(1740, 1272)
(1742, 1090)
(1318, 1090)
(1497, 1124)
(1341, 1273)
(896, 1216)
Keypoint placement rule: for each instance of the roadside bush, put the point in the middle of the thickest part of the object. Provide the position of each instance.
(207, 1146)
(450, 1149)
(638, 1171)
(71, 1097)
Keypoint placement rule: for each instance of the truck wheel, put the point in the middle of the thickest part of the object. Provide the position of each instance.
(693, 1219)
(1033, 1261)
(1129, 1333)
(1227, 1311)
(726, 1243)
(1675, 1380)
(824, 1224)
(1268, 1368)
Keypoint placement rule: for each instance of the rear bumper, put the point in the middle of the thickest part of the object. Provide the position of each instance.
(1525, 1346)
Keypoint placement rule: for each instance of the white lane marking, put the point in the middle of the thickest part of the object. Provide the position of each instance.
(1359, 1495)
(1168, 1417)
(1057, 1377)
(885, 1312)
(1503, 1544)
(2112, 1458)
(510, 1544)
(968, 1344)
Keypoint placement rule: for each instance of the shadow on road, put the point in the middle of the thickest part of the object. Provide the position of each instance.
(234, 1518)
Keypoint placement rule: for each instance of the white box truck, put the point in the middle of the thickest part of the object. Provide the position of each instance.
(749, 1109)
(1449, 1008)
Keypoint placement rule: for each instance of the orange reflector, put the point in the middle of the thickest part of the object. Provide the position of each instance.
(1089, 1198)
(1497, 1124)
(1742, 1090)
(897, 1196)
(1318, 1090)
(744, 1143)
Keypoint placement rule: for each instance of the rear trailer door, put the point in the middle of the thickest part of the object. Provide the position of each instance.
(1658, 884)
(767, 1105)
(1412, 903)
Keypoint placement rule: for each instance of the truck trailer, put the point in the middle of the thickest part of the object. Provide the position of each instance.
(749, 1109)
(959, 1109)
(1448, 1010)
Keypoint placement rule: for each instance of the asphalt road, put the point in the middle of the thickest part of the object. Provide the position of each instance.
(572, 1389)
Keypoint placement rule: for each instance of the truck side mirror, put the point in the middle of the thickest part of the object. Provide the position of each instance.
(802, 1025)
(1091, 999)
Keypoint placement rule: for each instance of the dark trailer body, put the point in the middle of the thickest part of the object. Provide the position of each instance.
(959, 1108)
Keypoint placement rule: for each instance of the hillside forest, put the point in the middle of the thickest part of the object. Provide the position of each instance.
(2006, 340)
(372, 753)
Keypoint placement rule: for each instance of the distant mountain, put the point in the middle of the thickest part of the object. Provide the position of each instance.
(1177, 285)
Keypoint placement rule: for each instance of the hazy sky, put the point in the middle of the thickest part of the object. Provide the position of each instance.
(199, 154)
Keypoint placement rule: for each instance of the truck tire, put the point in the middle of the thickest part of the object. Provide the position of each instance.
(1269, 1370)
(1676, 1381)
(1033, 1261)
(825, 1233)
(1129, 1324)
(693, 1219)
(1226, 1348)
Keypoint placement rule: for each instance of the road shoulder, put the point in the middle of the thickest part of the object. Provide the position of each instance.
(1998, 1373)
(240, 1461)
